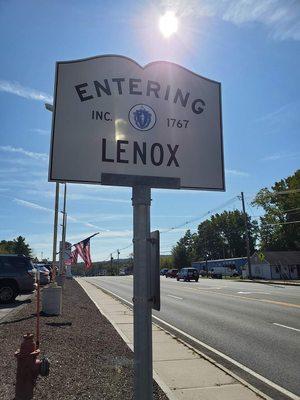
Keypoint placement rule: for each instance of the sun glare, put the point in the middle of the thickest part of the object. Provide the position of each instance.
(168, 24)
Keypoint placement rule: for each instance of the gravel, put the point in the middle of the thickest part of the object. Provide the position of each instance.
(89, 360)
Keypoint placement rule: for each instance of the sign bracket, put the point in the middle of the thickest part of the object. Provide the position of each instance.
(137, 180)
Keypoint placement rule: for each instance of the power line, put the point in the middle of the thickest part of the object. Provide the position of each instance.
(281, 223)
(283, 192)
(200, 217)
(233, 199)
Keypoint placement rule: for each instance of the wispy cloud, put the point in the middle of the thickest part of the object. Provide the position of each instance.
(42, 132)
(78, 196)
(273, 115)
(42, 192)
(36, 206)
(236, 172)
(29, 204)
(280, 17)
(280, 156)
(20, 150)
(283, 119)
(22, 91)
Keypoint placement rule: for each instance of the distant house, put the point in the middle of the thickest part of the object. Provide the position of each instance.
(274, 265)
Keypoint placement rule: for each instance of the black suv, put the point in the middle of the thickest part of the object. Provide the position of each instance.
(188, 274)
(17, 276)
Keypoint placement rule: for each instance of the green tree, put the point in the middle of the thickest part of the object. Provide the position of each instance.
(180, 256)
(166, 262)
(16, 246)
(282, 208)
(221, 236)
(21, 247)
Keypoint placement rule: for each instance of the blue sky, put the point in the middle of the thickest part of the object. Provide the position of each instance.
(252, 47)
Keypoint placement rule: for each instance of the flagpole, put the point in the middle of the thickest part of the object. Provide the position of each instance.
(89, 237)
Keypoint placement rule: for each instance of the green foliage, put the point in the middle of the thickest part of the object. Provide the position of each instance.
(280, 208)
(16, 246)
(99, 267)
(221, 236)
(166, 262)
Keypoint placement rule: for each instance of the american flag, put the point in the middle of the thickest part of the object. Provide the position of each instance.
(73, 257)
(83, 249)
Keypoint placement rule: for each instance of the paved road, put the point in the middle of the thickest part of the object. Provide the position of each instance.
(257, 325)
(6, 309)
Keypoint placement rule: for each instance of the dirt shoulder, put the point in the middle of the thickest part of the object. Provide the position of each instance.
(89, 360)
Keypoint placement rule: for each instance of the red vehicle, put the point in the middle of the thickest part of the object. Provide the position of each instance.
(172, 273)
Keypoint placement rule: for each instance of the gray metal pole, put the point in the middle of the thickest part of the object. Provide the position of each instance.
(63, 239)
(55, 231)
(247, 236)
(142, 312)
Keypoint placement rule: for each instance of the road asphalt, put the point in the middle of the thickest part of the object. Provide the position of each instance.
(256, 325)
(8, 309)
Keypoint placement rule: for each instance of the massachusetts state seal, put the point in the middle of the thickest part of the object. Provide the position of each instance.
(142, 117)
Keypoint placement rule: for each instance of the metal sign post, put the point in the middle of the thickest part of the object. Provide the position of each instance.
(142, 317)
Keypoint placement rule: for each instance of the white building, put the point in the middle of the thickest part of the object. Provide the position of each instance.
(274, 265)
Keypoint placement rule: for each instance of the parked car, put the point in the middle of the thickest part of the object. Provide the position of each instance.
(171, 273)
(163, 271)
(44, 274)
(219, 272)
(49, 268)
(17, 276)
(188, 274)
(215, 274)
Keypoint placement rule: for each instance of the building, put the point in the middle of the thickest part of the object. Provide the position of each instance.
(274, 265)
(227, 264)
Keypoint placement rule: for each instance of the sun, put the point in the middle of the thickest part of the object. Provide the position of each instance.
(168, 24)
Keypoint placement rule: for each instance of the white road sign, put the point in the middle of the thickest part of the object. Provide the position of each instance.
(113, 116)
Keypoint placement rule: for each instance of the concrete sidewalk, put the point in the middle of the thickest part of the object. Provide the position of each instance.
(180, 371)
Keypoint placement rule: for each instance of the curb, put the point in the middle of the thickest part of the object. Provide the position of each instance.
(286, 283)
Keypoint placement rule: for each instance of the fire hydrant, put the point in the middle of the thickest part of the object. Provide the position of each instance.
(28, 368)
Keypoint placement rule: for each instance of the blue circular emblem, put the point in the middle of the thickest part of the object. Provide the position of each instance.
(142, 117)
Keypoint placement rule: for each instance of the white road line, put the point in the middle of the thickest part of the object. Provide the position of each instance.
(253, 293)
(175, 297)
(287, 327)
(219, 353)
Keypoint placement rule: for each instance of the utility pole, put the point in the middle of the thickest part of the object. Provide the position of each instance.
(55, 231)
(111, 263)
(247, 236)
(118, 262)
(50, 108)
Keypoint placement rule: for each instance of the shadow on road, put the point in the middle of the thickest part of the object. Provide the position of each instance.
(15, 304)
